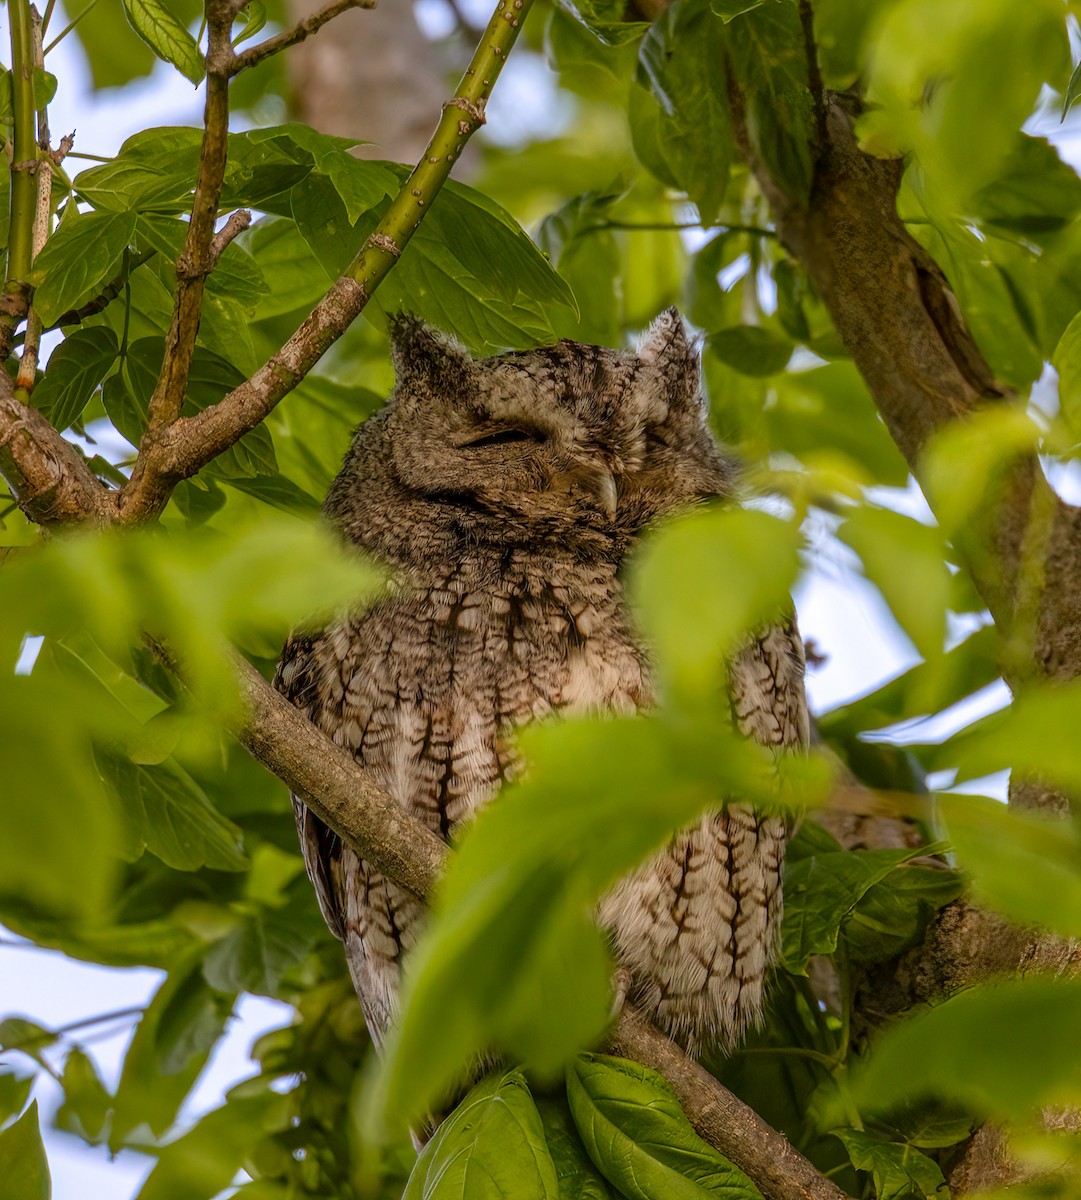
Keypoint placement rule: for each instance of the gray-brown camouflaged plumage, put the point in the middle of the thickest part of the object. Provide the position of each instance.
(507, 492)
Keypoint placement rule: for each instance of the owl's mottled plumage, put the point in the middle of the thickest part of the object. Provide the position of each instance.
(507, 492)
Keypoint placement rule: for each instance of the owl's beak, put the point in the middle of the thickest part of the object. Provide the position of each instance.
(591, 480)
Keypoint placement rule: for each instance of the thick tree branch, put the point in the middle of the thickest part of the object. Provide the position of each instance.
(177, 450)
(48, 478)
(897, 316)
(331, 784)
(300, 31)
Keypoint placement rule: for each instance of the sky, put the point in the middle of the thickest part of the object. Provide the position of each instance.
(838, 610)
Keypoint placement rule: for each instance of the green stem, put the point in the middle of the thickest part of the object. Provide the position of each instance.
(24, 192)
(461, 116)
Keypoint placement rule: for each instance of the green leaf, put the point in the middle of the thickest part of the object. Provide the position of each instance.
(86, 1102)
(254, 19)
(635, 1132)
(204, 1161)
(23, 1165)
(899, 1170)
(79, 827)
(893, 914)
(750, 349)
(171, 1045)
(1034, 1025)
(982, 69)
(44, 88)
(82, 256)
(768, 60)
(905, 559)
(236, 274)
(1005, 850)
(577, 1177)
(167, 813)
(1067, 362)
(75, 369)
(255, 956)
(1034, 192)
(492, 1146)
(820, 892)
(1073, 90)
(682, 587)
(680, 127)
(27, 1037)
(277, 491)
(469, 269)
(14, 1093)
(210, 378)
(166, 36)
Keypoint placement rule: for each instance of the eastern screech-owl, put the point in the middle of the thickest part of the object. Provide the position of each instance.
(507, 492)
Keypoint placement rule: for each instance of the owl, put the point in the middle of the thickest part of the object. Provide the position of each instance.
(506, 493)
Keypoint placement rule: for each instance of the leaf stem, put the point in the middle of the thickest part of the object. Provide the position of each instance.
(68, 27)
(15, 299)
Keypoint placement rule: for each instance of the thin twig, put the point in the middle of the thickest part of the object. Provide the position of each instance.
(299, 33)
(662, 226)
(196, 258)
(46, 1035)
(107, 295)
(237, 223)
(176, 450)
(814, 71)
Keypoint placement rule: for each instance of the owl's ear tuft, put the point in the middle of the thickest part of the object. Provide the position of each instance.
(420, 352)
(668, 349)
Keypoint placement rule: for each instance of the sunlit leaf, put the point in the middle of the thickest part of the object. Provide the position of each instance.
(23, 1165)
(491, 1146)
(1034, 1025)
(166, 36)
(636, 1133)
(1004, 850)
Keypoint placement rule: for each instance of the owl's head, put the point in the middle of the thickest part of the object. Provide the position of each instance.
(572, 443)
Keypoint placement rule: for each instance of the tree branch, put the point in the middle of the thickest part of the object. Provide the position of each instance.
(721, 1118)
(47, 476)
(899, 319)
(299, 33)
(174, 451)
(331, 784)
(75, 316)
(196, 259)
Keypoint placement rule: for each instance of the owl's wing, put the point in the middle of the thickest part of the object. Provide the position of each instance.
(769, 703)
(296, 679)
